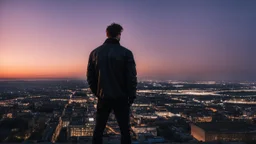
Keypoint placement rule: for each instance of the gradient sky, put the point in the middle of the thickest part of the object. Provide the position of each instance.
(194, 40)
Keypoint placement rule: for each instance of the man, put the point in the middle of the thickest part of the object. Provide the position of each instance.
(111, 75)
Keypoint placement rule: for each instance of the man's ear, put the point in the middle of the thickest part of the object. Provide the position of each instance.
(119, 36)
(107, 34)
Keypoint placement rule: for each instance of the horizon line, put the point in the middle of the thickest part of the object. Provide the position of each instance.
(139, 79)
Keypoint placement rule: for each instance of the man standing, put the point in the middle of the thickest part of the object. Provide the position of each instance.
(112, 77)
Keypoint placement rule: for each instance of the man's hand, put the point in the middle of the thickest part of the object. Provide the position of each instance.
(130, 101)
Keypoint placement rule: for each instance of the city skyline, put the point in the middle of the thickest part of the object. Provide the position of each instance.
(198, 40)
(165, 112)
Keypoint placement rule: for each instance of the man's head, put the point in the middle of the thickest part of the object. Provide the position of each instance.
(114, 31)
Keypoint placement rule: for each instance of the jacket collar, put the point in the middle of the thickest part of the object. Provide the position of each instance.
(111, 41)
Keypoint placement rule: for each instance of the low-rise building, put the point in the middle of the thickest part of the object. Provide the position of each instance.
(223, 131)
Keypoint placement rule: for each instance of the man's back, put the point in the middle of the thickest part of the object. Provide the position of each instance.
(112, 66)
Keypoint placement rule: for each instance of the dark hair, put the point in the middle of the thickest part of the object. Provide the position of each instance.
(114, 30)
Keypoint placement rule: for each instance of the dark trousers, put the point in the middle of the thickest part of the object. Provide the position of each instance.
(122, 113)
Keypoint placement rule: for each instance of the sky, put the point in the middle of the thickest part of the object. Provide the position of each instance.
(170, 39)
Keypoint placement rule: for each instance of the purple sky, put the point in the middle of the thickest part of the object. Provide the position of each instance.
(199, 40)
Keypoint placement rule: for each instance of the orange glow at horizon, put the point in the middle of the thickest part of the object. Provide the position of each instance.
(43, 72)
(74, 71)
(30, 69)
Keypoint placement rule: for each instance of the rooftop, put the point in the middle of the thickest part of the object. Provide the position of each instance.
(227, 127)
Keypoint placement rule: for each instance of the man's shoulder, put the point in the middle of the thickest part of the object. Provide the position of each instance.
(96, 49)
(126, 49)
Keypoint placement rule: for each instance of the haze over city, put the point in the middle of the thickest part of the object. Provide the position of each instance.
(188, 40)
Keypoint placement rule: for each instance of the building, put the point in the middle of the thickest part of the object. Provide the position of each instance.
(165, 114)
(144, 129)
(65, 122)
(82, 128)
(197, 117)
(223, 131)
(79, 130)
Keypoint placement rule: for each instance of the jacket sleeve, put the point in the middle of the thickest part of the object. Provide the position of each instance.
(91, 75)
(131, 76)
